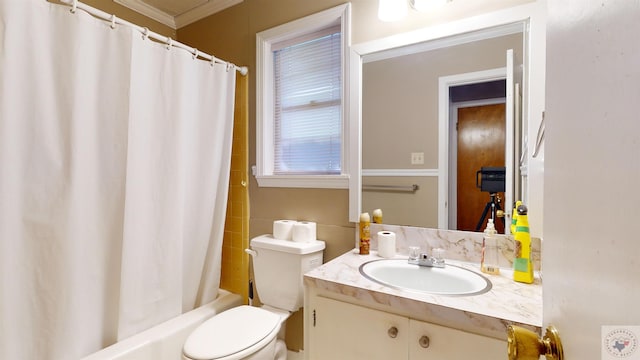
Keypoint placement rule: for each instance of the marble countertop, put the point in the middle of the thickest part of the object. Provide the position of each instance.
(507, 303)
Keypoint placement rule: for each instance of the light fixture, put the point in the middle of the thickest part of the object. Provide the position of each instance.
(426, 5)
(392, 10)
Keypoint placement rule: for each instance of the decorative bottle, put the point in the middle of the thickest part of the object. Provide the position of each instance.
(365, 233)
(522, 264)
(490, 250)
(377, 216)
(514, 217)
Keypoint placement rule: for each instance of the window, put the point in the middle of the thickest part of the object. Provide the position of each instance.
(307, 118)
(301, 131)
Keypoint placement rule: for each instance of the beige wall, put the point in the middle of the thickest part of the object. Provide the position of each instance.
(419, 208)
(230, 34)
(400, 116)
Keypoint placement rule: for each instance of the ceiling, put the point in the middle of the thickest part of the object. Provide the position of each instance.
(177, 13)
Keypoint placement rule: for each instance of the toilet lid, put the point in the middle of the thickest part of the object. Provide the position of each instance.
(230, 332)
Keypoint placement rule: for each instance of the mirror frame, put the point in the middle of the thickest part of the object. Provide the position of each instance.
(534, 16)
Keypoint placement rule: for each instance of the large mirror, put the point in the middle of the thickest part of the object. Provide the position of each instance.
(445, 124)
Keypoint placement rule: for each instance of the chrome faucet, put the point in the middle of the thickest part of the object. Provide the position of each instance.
(423, 259)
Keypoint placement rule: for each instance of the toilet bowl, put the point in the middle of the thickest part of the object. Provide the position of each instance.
(257, 333)
(244, 332)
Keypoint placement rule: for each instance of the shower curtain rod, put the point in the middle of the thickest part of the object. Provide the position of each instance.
(75, 4)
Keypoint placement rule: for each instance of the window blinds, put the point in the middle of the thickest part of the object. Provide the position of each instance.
(308, 102)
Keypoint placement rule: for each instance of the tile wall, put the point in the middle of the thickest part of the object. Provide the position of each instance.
(235, 263)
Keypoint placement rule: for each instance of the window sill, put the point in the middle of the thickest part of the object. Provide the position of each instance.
(304, 181)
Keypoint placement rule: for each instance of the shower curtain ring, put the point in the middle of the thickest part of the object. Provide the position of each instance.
(145, 33)
(169, 43)
(229, 66)
(195, 54)
(113, 21)
(74, 6)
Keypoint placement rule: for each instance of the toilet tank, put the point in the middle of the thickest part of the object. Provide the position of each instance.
(278, 267)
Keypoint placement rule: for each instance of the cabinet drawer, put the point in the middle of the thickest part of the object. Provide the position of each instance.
(346, 331)
(430, 341)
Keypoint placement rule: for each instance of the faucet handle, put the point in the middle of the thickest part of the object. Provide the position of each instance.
(414, 253)
(423, 259)
(438, 256)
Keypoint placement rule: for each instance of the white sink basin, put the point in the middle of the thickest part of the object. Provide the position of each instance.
(450, 280)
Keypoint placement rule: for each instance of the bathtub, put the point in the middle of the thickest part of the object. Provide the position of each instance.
(164, 341)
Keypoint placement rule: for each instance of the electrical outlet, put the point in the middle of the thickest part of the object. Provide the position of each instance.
(417, 158)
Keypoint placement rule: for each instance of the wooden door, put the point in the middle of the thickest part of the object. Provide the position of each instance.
(591, 281)
(481, 143)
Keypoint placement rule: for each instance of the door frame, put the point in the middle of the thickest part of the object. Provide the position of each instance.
(444, 133)
(453, 151)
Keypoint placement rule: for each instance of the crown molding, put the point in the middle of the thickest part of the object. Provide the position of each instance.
(175, 22)
(204, 10)
(149, 11)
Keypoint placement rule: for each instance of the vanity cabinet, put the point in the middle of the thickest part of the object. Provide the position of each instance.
(341, 330)
(430, 341)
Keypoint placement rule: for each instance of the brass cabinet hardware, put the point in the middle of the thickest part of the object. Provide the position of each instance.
(392, 332)
(424, 341)
(524, 344)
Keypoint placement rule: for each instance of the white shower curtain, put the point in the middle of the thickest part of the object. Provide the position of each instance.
(114, 170)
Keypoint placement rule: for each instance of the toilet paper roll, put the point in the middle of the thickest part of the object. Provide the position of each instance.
(304, 231)
(283, 229)
(386, 244)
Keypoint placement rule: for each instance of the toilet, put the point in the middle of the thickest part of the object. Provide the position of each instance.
(257, 333)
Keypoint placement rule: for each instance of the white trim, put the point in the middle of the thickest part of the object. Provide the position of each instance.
(499, 18)
(304, 181)
(483, 34)
(175, 22)
(510, 150)
(401, 172)
(444, 83)
(149, 11)
(204, 10)
(265, 97)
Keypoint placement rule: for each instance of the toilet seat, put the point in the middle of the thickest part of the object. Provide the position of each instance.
(232, 334)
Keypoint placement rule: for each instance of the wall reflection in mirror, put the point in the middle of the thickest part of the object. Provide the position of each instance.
(404, 136)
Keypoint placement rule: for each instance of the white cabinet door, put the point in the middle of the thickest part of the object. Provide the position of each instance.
(429, 341)
(345, 331)
(591, 147)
